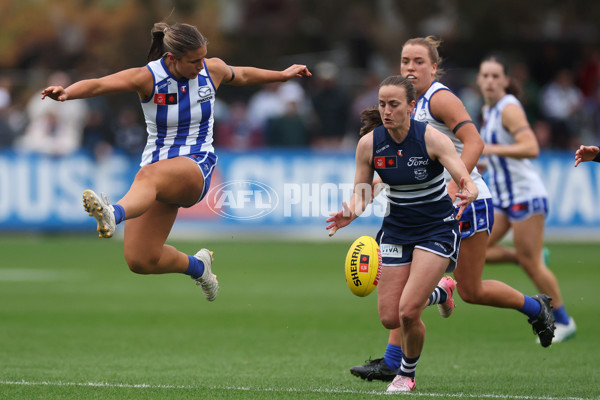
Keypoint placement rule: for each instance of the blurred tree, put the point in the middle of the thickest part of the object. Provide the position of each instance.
(64, 34)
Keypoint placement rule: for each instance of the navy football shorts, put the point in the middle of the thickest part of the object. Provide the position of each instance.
(445, 244)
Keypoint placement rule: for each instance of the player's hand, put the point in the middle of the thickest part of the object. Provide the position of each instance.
(339, 219)
(586, 153)
(466, 197)
(57, 93)
(296, 71)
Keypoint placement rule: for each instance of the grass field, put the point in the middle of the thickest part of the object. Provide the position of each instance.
(76, 324)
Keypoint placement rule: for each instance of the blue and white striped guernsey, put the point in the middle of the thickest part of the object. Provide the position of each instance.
(422, 112)
(179, 115)
(512, 180)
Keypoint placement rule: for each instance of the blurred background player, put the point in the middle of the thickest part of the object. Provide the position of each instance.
(520, 199)
(420, 237)
(177, 89)
(54, 129)
(439, 107)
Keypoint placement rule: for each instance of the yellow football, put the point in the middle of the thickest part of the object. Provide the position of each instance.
(363, 266)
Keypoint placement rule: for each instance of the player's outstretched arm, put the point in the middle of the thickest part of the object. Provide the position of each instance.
(363, 193)
(252, 76)
(222, 73)
(129, 80)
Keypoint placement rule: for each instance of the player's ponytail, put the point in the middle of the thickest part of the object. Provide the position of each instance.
(156, 47)
(177, 39)
(370, 119)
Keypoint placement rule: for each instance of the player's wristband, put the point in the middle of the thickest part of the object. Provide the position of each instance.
(597, 158)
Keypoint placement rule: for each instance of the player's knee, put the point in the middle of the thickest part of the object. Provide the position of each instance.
(409, 315)
(390, 322)
(145, 174)
(389, 319)
(529, 262)
(468, 294)
(139, 267)
(141, 264)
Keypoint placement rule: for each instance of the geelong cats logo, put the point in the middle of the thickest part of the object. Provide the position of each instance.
(420, 174)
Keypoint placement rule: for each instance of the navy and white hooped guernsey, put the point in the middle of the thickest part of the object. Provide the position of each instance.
(419, 204)
(512, 180)
(179, 115)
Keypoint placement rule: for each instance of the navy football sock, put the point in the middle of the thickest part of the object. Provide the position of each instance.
(439, 296)
(408, 367)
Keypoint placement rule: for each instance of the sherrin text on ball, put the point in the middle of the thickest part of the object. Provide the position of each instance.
(363, 266)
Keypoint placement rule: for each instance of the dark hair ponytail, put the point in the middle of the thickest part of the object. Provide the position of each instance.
(158, 35)
(177, 39)
(370, 119)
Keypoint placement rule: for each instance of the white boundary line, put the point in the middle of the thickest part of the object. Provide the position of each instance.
(250, 389)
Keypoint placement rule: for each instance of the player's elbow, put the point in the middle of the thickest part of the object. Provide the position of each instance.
(479, 146)
(535, 151)
(531, 149)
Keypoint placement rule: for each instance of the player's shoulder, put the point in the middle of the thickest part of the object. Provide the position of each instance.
(137, 71)
(432, 135)
(215, 63)
(447, 106)
(444, 97)
(509, 104)
(365, 143)
(366, 138)
(138, 78)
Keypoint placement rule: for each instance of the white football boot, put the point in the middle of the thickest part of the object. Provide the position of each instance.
(100, 208)
(208, 281)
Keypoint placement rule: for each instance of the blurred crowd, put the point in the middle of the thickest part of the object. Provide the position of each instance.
(321, 112)
(349, 49)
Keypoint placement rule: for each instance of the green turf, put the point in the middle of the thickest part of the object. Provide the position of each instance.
(76, 324)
